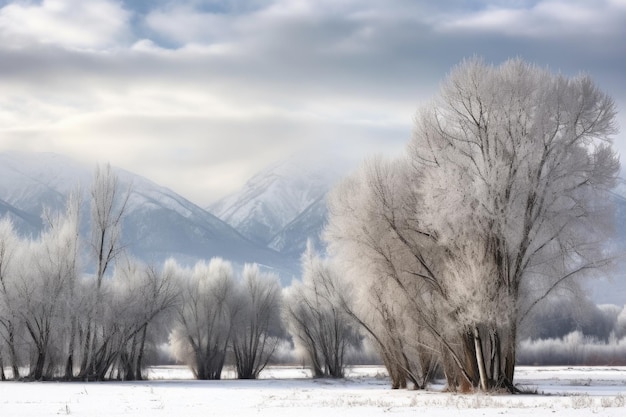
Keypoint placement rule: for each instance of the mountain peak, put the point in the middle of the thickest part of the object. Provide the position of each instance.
(276, 196)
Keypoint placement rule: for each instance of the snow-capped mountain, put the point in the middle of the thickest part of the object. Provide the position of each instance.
(158, 223)
(275, 197)
(309, 224)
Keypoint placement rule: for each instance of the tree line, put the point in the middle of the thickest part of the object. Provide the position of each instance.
(58, 322)
(439, 258)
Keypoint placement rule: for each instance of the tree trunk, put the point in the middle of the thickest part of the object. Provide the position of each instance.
(509, 363)
(3, 377)
(12, 353)
(37, 372)
(85, 363)
(138, 365)
(69, 364)
(480, 360)
(496, 356)
(471, 366)
(14, 362)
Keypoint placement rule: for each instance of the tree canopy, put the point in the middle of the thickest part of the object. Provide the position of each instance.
(498, 202)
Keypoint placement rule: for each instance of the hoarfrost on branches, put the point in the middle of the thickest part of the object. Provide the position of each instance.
(498, 202)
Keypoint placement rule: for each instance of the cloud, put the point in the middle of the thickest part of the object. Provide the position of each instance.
(550, 18)
(198, 95)
(67, 23)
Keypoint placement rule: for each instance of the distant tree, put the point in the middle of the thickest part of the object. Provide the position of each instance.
(108, 206)
(49, 312)
(205, 317)
(9, 315)
(498, 202)
(258, 324)
(142, 295)
(48, 275)
(316, 318)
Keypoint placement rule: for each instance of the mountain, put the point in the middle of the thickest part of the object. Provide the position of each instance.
(309, 224)
(274, 198)
(158, 222)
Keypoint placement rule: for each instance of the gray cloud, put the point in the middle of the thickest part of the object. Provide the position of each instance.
(199, 95)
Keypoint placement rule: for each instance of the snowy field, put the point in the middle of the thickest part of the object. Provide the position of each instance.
(289, 392)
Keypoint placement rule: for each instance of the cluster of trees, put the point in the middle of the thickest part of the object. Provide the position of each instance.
(570, 331)
(574, 348)
(317, 318)
(498, 203)
(222, 319)
(220, 316)
(58, 322)
(569, 313)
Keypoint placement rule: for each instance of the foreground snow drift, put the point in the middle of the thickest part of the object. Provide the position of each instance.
(289, 391)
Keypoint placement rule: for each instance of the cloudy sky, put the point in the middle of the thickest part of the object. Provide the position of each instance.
(199, 95)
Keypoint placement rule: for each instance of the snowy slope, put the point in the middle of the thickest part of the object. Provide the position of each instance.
(291, 240)
(31, 181)
(158, 224)
(273, 198)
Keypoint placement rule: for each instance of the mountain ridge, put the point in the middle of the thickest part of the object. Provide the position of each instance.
(275, 197)
(158, 222)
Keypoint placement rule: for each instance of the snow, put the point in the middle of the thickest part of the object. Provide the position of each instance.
(288, 391)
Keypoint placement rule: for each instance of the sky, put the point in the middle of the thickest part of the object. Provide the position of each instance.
(200, 95)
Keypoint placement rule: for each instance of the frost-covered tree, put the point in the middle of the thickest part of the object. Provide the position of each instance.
(142, 295)
(316, 319)
(108, 205)
(48, 275)
(258, 324)
(205, 317)
(9, 302)
(498, 202)
(374, 238)
(51, 313)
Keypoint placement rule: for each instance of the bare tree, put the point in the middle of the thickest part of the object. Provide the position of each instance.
(141, 295)
(55, 315)
(108, 205)
(205, 316)
(389, 260)
(497, 203)
(258, 324)
(316, 318)
(9, 314)
(49, 272)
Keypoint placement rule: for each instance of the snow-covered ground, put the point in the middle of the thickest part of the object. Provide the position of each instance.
(285, 391)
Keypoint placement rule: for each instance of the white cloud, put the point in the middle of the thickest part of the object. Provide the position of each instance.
(549, 18)
(83, 24)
